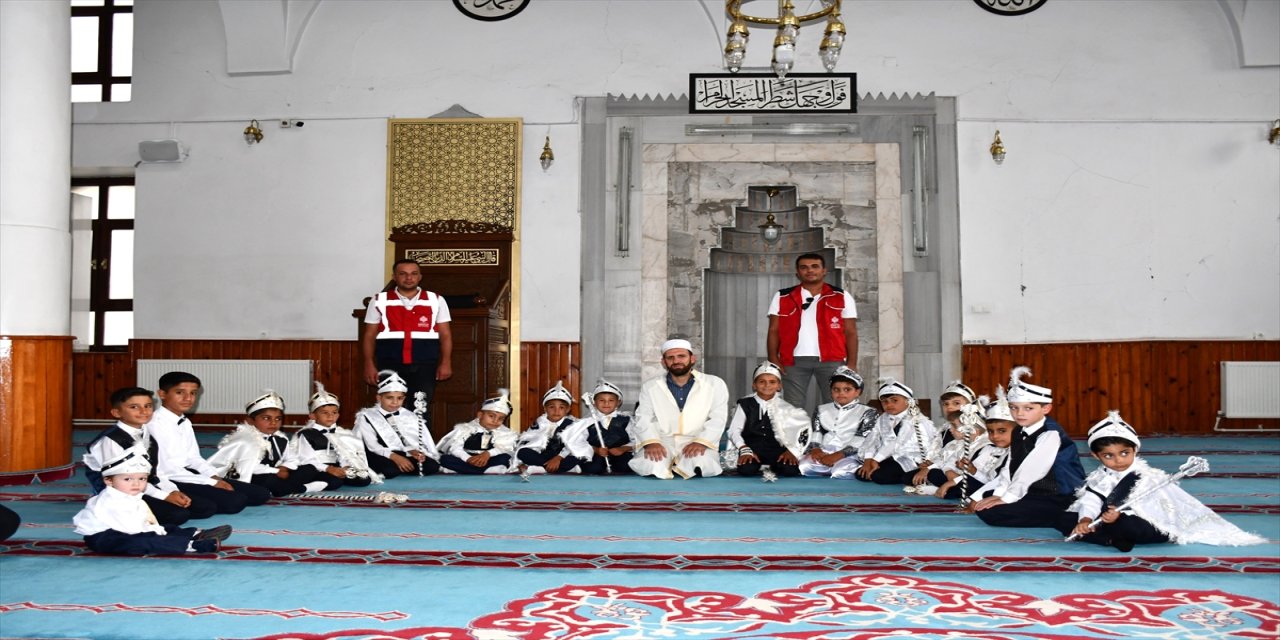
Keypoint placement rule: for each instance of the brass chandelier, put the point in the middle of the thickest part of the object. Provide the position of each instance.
(784, 44)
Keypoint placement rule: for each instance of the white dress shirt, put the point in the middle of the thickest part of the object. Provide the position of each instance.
(180, 459)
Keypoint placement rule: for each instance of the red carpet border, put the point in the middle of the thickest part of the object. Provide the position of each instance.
(699, 562)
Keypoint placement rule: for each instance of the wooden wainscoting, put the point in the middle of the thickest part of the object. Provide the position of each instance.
(1159, 386)
(337, 365)
(35, 428)
(541, 365)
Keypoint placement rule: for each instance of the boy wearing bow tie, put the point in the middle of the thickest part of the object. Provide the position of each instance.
(178, 456)
(394, 441)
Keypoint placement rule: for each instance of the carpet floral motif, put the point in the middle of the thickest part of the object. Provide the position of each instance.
(856, 607)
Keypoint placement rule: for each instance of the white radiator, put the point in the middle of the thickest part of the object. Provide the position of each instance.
(227, 385)
(1250, 390)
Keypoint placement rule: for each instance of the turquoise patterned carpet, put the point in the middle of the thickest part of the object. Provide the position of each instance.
(622, 557)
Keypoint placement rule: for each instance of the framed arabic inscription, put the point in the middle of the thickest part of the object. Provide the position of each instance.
(756, 92)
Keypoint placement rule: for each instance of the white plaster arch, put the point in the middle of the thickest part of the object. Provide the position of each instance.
(262, 37)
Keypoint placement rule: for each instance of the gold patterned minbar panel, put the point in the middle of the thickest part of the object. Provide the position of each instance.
(454, 257)
(453, 169)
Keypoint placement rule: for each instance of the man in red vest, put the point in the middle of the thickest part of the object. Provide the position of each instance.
(406, 329)
(812, 331)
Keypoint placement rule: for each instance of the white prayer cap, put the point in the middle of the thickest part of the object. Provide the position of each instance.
(558, 392)
(999, 410)
(500, 404)
(767, 368)
(677, 343)
(268, 400)
(322, 398)
(891, 387)
(845, 373)
(1113, 426)
(959, 388)
(389, 381)
(133, 460)
(1020, 391)
(604, 386)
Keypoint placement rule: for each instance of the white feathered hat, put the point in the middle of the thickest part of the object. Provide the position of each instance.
(133, 460)
(1020, 391)
(999, 410)
(604, 386)
(500, 404)
(959, 388)
(558, 392)
(389, 382)
(891, 387)
(322, 398)
(268, 400)
(845, 373)
(767, 368)
(1113, 426)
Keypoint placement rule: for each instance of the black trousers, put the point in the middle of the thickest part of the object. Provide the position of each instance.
(168, 513)
(768, 455)
(1031, 511)
(142, 544)
(242, 495)
(389, 469)
(540, 459)
(1127, 527)
(889, 472)
(620, 465)
(276, 485)
(459, 465)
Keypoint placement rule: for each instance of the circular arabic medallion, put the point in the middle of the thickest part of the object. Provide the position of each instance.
(1006, 7)
(490, 10)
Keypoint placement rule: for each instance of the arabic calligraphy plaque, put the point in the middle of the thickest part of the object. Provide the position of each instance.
(757, 92)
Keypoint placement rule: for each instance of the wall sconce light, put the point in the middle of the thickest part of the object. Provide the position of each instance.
(1274, 136)
(252, 134)
(547, 157)
(771, 230)
(997, 149)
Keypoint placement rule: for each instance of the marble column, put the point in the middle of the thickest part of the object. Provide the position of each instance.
(35, 239)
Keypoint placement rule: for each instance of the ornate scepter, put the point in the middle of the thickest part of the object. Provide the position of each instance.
(382, 497)
(913, 414)
(589, 400)
(969, 431)
(1191, 467)
(419, 412)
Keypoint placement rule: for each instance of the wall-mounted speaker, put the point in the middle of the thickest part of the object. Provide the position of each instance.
(162, 151)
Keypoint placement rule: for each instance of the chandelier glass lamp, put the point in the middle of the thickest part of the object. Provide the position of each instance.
(784, 44)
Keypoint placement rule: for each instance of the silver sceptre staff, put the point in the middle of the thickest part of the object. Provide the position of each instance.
(968, 432)
(968, 429)
(589, 400)
(1191, 467)
(913, 414)
(419, 412)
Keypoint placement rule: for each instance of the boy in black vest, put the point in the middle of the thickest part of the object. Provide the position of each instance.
(545, 446)
(1043, 471)
(132, 407)
(765, 428)
(255, 451)
(606, 432)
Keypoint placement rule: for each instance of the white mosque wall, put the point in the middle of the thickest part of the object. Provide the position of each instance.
(1138, 200)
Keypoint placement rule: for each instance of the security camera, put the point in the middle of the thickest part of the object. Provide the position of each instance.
(298, 123)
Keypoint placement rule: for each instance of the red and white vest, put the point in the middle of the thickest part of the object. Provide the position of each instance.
(407, 323)
(830, 303)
